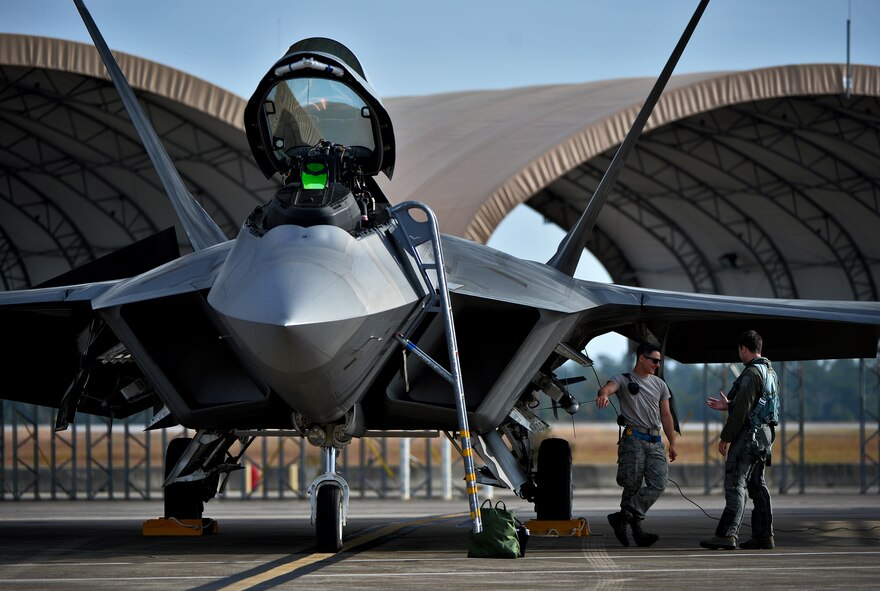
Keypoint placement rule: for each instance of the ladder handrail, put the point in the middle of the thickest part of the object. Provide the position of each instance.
(400, 213)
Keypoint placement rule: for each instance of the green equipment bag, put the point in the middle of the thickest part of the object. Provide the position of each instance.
(499, 538)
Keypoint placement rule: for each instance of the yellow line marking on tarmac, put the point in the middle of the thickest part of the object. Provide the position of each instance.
(290, 567)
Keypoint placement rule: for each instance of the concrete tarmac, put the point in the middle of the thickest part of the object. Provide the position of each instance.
(828, 541)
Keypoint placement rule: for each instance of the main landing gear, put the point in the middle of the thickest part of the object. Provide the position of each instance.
(193, 467)
(553, 494)
(184, 500)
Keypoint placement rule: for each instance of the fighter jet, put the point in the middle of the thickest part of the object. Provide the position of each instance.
(335, 314)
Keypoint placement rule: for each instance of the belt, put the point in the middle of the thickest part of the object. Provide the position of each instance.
(643, 435)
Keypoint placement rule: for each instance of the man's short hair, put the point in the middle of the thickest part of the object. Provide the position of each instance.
(645, 348)
(751, 341)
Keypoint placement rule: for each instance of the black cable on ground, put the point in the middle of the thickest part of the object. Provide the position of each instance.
(748, 525)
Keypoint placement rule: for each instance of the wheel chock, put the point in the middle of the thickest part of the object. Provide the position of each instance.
(171, 526)
(558, 528)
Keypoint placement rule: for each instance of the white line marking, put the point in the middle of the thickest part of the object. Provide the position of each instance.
(641, 557)
(624, 572)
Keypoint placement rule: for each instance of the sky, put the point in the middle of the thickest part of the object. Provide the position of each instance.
(409, 48)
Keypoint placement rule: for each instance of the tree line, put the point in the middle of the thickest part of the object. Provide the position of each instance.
(831, 391)
(831, 388)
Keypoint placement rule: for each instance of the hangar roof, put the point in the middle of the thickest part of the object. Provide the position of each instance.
(75, 181)
(760, 182)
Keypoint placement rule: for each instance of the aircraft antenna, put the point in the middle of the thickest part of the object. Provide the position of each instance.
(568, 253)
(201, 230)
(847, 80)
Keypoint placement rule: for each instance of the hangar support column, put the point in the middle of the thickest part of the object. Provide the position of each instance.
(869, 414)
(714, 378)
(791, 444)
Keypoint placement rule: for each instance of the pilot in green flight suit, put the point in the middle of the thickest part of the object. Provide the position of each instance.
(747, 447)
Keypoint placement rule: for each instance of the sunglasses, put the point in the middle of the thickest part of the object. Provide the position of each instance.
(654, 360)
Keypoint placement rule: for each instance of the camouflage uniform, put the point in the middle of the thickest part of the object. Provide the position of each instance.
(641, 465)
(640, 461)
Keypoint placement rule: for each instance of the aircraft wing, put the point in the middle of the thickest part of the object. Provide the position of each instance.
(703, 328)
(41, 339)
(692, 328)
(45, 332)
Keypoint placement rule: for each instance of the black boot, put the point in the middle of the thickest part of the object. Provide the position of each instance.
(643, 539)
(759, 543)
(618, 524)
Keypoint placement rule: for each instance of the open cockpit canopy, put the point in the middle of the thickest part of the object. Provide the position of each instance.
(316, 92)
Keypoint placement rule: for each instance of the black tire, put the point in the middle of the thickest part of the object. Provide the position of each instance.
(184, 499)
(554, 480)
(328, 519)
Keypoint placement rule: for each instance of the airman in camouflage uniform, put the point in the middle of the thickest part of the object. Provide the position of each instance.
(641, 457)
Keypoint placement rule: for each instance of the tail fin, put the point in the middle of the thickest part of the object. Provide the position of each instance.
(200, 228)
(569, 251)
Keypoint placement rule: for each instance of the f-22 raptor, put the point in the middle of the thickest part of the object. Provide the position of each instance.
(334, 314)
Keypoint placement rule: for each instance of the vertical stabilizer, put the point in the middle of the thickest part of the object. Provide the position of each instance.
(568, 254)
(200, 228)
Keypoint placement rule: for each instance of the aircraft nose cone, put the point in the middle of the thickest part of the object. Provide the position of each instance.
(296, 275)
(312, 308)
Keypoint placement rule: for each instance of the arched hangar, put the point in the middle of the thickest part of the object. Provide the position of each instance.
(757, 183)
(761, 182)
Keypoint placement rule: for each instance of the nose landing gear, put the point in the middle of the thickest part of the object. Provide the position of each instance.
(330, 495)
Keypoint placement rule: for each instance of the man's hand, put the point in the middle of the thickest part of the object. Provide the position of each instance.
(601, 400)
(722, 447)
(718, 403)
(673, 453)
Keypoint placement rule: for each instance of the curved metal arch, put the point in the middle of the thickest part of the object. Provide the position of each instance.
(34, 212)
(867, 126)
(710, 202)
(223, 150)
(13, 272)
(685, 251)
(127, 228)
(791, 133)
(600, 244)
(612, 258)
(821, 222)
(124, 130)
(218, 213)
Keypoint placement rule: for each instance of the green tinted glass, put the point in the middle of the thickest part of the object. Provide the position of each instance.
(314, 175)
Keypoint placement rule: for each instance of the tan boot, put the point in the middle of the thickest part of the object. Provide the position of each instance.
(720, 543)
(759, 543)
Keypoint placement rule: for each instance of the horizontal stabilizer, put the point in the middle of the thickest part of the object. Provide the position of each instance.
(129, 261)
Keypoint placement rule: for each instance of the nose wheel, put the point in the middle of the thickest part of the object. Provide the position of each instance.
(329, 519)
